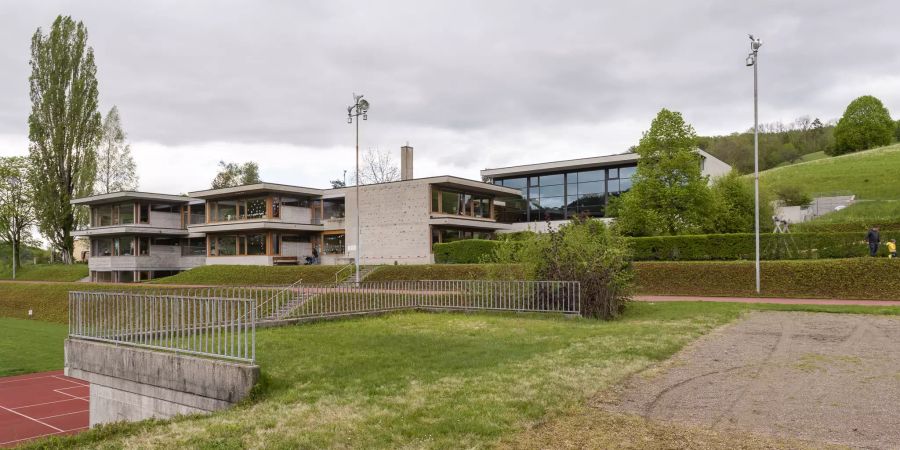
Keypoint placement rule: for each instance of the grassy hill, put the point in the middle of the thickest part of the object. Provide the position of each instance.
(46, 272)
(870, 175)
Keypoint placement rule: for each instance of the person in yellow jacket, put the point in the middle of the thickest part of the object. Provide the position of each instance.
(892, 248)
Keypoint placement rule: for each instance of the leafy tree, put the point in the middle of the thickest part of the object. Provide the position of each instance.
(64, 127)
(669, 195)
(733, 205)
(16, 203)
(792, 195)
(337, 184)
(233, 174)
(584, 250)
(897, 131)
(116, 170)
(866, 124)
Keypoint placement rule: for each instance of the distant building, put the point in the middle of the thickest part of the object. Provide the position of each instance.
(138, 236)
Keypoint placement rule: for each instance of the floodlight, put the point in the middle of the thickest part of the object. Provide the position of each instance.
(363, 105)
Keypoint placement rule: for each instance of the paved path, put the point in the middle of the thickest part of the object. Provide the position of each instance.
(780, 301)
(41, 404)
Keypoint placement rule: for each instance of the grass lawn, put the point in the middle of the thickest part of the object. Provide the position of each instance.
(28, 346)
(420, 380)
(46, 272)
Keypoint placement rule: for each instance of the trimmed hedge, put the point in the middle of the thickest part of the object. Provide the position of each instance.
(857, 227)
(741, 246)
(468, 251)
(447, 272)
(857, 278)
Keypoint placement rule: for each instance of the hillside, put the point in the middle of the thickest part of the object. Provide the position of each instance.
(870, 175)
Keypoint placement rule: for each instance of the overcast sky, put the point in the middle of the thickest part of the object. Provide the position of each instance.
(469, 84)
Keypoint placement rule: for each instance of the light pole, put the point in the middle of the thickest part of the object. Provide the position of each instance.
(359, 107)
(753, 60)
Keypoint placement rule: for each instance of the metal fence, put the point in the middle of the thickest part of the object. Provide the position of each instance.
(218, 323)
(325, 300)
(221, 322)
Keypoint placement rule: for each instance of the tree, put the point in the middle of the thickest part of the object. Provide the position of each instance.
(16, 204)
(733, 205)
(583, 250)
(64, 127)
(116, 170)
(866, 124)
(335, 184)
(234, 174)
(669, 195)
(378, 167)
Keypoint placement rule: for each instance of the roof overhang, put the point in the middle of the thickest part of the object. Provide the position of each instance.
(560, 166)
(130, 230)
(460, 222)
(114, 197)
(477, 187)
(251, 225)
(255, 189)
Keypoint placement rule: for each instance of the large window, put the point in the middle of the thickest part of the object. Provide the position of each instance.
(563, 195)
(193, 247)
(443, 234)
(461, 203)
(117, 246)
(334, 244)
(118, 214)
(241, 244)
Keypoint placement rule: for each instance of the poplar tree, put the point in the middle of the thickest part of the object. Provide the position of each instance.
(116, 170)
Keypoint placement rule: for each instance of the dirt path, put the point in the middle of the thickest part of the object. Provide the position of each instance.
(831, 378)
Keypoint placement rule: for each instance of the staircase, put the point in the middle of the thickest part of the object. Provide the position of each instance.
(295, 301)
(364, 272)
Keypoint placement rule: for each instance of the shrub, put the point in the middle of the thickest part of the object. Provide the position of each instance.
(741, 246)
(583, 250)
(857, 278)
(857, 227)
(791, 195)
(469, 251)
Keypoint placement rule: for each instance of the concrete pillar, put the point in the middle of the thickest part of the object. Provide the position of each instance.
(406, 163)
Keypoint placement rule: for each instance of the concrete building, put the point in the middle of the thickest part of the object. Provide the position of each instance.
(137, 236)
(559, 190)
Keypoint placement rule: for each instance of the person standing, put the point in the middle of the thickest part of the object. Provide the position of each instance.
(874, 239)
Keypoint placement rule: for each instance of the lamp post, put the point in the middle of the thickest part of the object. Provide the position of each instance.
(752, 60)
(359, 107)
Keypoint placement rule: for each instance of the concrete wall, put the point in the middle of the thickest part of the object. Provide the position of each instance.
(161, 257)
(165, 220)
(295, 214)
(394, 219)
(130, 384)
(298, 249)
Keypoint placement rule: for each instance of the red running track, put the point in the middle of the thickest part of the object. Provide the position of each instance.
(41, 404)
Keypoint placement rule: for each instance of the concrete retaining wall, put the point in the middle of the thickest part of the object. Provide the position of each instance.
(130, 384)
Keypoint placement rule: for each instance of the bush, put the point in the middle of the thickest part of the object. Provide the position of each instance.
(858, 278)
(469, 251)
(741, 246)
(583, 250)
(857, 227)
(791, 195)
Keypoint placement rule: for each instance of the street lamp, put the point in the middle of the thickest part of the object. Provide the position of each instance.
(753, 60)
(359, 107)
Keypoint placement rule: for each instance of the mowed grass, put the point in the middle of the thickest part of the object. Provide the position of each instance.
(870, 174)
(46, 272)
(418, 380)
(255, 275)
(28, 346)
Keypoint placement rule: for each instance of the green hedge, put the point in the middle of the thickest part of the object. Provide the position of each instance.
(741, 246)
(857, 278)
(856, 227)
(469, 251)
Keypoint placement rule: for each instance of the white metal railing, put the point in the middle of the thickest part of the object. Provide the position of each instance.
(326, 300)
(337, 275)
(214, 322)
(220, 322)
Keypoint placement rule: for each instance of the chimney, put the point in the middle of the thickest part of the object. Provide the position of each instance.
(406, 162)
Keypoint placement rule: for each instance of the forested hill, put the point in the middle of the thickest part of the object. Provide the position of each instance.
(779, 144)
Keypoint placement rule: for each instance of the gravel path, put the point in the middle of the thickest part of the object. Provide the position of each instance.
(829, 378)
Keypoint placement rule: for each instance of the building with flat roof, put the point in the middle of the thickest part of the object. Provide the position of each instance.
(138, 236)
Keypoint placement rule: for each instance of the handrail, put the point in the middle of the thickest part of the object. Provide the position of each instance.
(291, 286)
(337, 274)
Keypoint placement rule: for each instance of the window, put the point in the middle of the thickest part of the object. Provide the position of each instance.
(334, 208)
(256, 244)
(103, 247)
(450, 202)
(256, 208)
(197, 213)
(157, 207)
(193, 247)
(144, 212)
(143, 246)
(441, 234)
(125, 213)
(103, 216)
(334, 244)
(223, 245)
(124, 246)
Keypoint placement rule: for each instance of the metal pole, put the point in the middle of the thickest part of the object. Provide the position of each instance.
(756, 160)
(358, 246)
